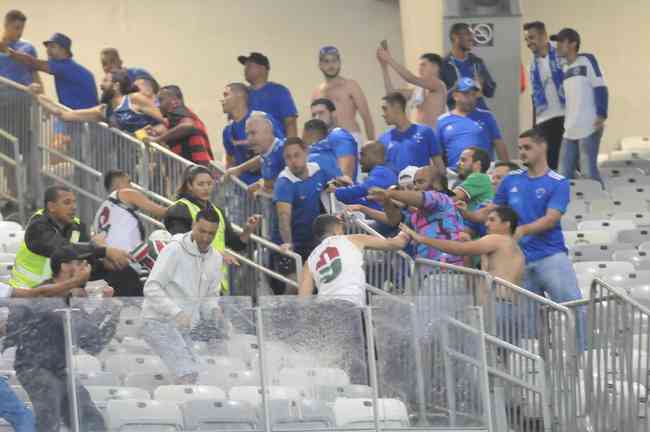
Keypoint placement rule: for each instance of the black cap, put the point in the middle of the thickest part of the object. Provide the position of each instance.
(567, 34)
(257, 58)
(61, 40)
(68, 254)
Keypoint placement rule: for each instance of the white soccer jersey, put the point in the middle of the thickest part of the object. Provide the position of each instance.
(337, 268)
(119, 223)
(585, 91)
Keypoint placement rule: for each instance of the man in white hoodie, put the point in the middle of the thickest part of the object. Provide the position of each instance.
(176, 295)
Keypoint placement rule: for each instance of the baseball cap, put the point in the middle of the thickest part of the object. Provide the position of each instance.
(255, 57)
(407, 175)
(465, 85)
(61, 40)
(566, 34)
(329, 50)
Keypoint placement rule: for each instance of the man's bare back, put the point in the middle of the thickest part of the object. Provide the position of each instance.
(433, 106)
(341, 91)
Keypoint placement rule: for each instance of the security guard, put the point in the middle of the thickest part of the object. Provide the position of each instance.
(194, 195)
(51, 228)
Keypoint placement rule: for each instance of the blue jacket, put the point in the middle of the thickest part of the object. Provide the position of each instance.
(449, 74)
(380, 176)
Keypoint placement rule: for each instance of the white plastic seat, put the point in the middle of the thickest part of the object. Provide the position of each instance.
(223, 363)
(9, 353)
(588, 270)
(215, 415)
(11, 241)
(570, 221)
(180, 393)
(573, 238)
(608, 172)
(253, 394)
(10, 226)
(124, 364)
(228, 379)
(634, 236)
(309, 378)
(592, 252)
(129, 323)
(100, 395)
(630, 255)
(606, 224)
(628, 280)
(609, 207)
(301, 415)
(106, 379)
(148, 381)
(641, 293)
(135, 346)
(587, 189)
(640, 219)
(87, 363)
(351, 413)
(9, 375)
(635, 180)
(143, 415)
(330, 393)
(244, 347)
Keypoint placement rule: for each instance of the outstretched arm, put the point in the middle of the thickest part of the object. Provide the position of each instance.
(363, 241)
(432, 84)
(146, 106)
(27, 60)
(482, 246)
(140, 200)
(306, 288)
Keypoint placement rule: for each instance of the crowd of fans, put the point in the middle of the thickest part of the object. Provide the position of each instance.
(438, 183)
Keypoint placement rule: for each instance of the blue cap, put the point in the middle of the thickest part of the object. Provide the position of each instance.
(329, 50)
(61, 40)
(466, 85)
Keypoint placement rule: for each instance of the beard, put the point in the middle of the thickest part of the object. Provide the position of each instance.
(331, 75)
(107, 96)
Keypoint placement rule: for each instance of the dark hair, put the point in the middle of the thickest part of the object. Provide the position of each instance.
(432, 58)
(15, 15)
(535, 25)
(507, 214)
(154, 84)
(52, 194)
(121, 78)
(112, 53)
(478, 154)
(323, 224)
(110, 176)
(174, 90)
(294, 141)
(396, 98)
(316, 125)
(208, 214)
(534, 134)
(190, 173)
(324, 101)
(511, 165)
(458, 28)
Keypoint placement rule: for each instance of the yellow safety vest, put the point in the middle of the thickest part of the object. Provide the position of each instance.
(219, 242)
(32, 269)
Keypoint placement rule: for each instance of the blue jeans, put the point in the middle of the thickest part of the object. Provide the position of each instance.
(14, 410)
(585, 150)
(554, 277)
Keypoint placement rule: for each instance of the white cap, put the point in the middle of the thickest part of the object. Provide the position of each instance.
(407, 175)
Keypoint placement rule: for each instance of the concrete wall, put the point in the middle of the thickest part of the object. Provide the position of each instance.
(195, 43)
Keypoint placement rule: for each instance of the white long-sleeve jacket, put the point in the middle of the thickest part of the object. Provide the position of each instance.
(182, 279)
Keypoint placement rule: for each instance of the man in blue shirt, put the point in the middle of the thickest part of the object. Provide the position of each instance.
(461, 63)
(540, 196)
(75, 85)
(235, 142)
(321, 150)
(379, 175)
(110, 58)
(407, 143)
(270, 159)
(342, 141)
(297, 196)
(267, 96)
(468, 126)
(13, 30)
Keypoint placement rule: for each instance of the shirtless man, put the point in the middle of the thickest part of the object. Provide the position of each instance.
(429, 96)
(500, 253)
(336, 264)
(346, 95)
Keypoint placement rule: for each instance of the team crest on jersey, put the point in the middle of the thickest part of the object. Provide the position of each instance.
(329, 264)
(539, 193)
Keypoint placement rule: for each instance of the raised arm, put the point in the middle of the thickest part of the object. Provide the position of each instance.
(361, 103)
(182, 130)
(363, 241)
(140, 200)
(146, 106)
(27, 60)
(432, 84)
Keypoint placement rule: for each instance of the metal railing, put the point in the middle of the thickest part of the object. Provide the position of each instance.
(530, 323)
(12, 174)
(615, 368)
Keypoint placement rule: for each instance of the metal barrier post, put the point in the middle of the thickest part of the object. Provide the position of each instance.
(263, 371)
(372, 366)
(69, 357)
